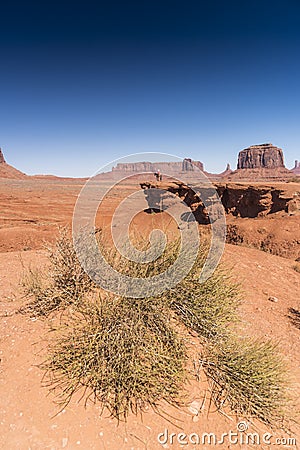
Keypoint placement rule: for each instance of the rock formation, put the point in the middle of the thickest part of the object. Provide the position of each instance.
(296, 169)
(187, 165)
(263, 162)
(2, 160)
(7, 171)
(260, 156)
(239, 200)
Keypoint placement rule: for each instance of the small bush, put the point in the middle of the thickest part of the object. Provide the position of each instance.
(64, 283)
(249, 376)
(123, 352)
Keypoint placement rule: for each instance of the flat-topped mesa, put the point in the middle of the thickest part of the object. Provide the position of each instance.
(263, 156)
(2, 160)
(187, 165)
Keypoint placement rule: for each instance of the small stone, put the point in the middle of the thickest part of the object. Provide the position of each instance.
(195, 419)
(273, 299)
(194, 407)
(64, 442)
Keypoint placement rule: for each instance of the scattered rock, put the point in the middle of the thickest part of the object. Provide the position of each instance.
(195, 407)
(273, 299)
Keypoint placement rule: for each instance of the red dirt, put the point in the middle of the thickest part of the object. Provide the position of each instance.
(31, 210)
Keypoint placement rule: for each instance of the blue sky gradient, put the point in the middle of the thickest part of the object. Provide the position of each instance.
(82, 84)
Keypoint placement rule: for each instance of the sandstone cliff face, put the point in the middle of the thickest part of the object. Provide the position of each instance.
(258, 201)
(238, 200)
(265, 208)
(261, 156)
(2, 160)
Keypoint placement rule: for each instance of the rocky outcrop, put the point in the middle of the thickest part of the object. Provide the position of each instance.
(226, 172)
(257, 201)
(261, 156)
(189, 165)
(259, 216)
(2, 160)
(238, 200)
(7, 171)
(296, 169)
(161, 201)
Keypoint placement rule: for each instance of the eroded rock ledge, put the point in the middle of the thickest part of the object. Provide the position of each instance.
(240, 200)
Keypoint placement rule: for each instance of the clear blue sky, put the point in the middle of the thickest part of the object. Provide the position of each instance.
(84, 83)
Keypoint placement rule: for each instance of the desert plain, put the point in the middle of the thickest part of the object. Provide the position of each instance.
(262, 250)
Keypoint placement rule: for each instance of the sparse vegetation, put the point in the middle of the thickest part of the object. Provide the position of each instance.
(128, 353)
(63, 283)
(249, 376)
(208, 308)
(296, 267)
(294, 316)
(293, 180)
(123, 351)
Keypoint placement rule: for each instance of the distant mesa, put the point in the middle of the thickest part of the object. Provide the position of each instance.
(255, 163)
(187, 165)
(260, 162)
(260, 156)
(263, 162)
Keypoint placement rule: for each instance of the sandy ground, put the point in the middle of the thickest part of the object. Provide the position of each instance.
(29, 418)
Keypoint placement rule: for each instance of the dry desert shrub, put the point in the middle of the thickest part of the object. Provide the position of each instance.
(123, 352)
(249, 376)
(64, 282)
(128, 353)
